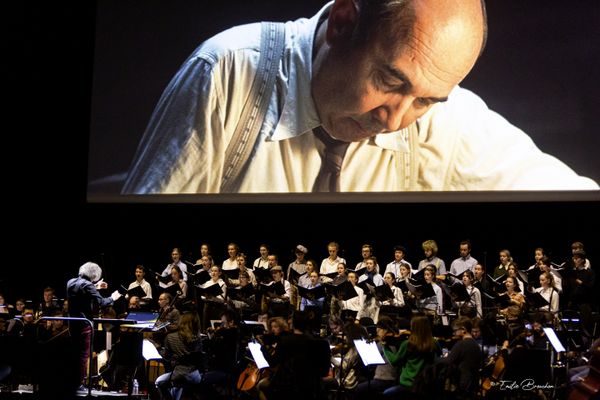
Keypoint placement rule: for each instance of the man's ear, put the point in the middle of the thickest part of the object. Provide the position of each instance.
(342, 20)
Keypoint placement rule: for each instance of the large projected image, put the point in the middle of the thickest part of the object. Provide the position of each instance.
(343, 102)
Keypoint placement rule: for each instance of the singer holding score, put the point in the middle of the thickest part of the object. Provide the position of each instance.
(84, 301)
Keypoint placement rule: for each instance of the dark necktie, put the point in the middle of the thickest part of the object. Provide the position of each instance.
(328, 179)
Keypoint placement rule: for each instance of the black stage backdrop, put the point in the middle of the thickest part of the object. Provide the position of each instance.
(53, 230)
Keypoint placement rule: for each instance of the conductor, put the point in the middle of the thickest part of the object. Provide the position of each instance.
(84, 301)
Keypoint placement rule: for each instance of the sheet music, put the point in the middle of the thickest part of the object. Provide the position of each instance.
(149, 351)
(368, 352)
(257, 355)
(551, 335)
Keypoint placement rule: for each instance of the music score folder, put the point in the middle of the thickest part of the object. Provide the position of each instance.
(257, 355)
(368, 352)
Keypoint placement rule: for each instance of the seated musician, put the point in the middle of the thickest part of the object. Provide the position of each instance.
(182, 350)
(224, 350)
(386, 375)
(418, 351)
(464, 359)
(169, 315)
(299, 362)
(345, 359)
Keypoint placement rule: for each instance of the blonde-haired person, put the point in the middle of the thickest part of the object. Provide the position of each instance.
(430, 249)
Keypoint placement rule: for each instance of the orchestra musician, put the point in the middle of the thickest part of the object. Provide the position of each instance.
(386, 375)
(169, 316)
(183, 352)
(465, 357)
(300, 361)
(413, 355)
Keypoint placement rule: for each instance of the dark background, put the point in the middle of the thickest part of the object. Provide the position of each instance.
(51, 230)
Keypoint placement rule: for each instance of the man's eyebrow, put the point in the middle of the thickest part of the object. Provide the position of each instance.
(401, 76)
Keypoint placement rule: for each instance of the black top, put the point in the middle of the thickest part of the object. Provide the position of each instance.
(84, 299)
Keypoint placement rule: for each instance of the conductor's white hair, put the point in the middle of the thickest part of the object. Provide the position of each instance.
(90, 270)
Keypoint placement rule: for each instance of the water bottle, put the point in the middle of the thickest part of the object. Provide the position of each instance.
(136, 387)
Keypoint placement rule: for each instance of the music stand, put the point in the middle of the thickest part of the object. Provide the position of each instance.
(369, 354)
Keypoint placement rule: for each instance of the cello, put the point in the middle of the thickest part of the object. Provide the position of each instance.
(496, 375)
(249, 377)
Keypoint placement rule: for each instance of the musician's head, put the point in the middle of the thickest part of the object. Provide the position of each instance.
(164, 299)
(278, 325)
(385, 326)
(90, 271)
(229, 318)
(462, 326)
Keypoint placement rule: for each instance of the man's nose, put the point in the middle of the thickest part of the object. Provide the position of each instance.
(395, 113)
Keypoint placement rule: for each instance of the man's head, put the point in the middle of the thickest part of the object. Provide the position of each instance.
(378, 66)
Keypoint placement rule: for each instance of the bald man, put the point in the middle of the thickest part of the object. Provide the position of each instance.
(365, 98)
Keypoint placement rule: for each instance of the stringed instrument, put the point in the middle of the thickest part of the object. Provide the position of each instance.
(249, 377)
(495, 376)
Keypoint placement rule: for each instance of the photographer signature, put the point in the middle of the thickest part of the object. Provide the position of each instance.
(525, 384)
